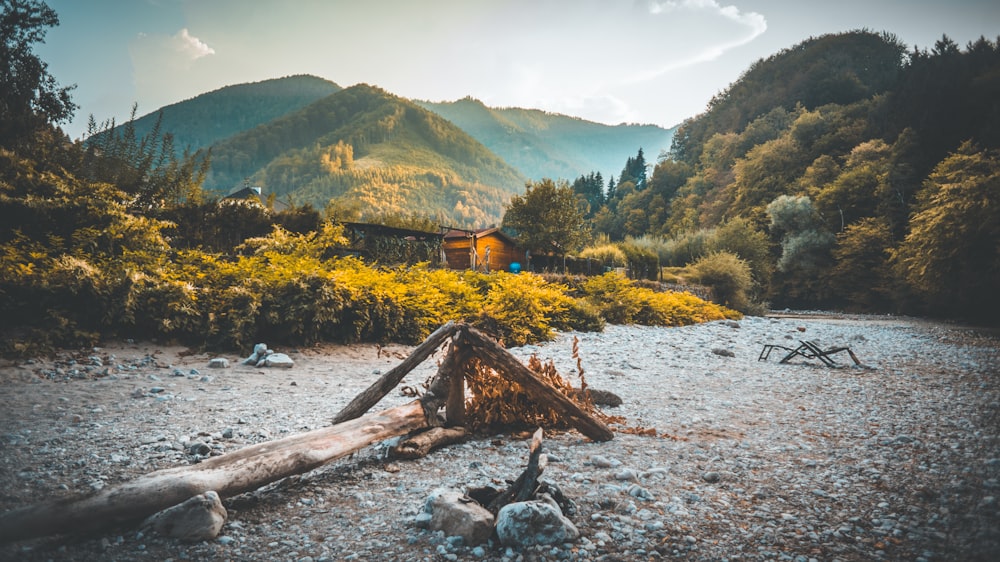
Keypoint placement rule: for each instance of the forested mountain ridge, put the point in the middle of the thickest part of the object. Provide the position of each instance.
(534, 143)
(364, 146)
(871, 175)
(549, 145)
(199, 122)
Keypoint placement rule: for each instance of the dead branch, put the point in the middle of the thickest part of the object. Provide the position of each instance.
(370, 396)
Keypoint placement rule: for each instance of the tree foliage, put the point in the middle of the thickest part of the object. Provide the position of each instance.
(146, 168)
(547, 219)
(30, 98)
(951, 254)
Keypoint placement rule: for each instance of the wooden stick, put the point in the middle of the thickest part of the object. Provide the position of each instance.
(370, 396)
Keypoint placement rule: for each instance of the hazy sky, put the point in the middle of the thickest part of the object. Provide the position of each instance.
(609, 61)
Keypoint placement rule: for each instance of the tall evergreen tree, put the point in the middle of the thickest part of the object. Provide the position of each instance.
(591, 189)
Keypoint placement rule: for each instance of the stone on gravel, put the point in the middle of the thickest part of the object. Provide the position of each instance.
(534, 523)
(456, 514)
(197, 519)
(278, 360)
(218, 363)
(259, 352)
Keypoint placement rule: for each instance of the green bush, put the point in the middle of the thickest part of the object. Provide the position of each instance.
(609, 255)
(521, 308)
(621, 301)
(727, 275)
(643, 263)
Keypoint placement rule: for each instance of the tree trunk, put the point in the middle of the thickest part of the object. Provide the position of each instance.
(230, 474)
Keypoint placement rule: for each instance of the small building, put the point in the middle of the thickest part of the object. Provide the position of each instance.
(487, 249)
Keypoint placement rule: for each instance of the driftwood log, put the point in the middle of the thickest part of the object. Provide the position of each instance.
(526, 485)
(230, 474)
(370, 396)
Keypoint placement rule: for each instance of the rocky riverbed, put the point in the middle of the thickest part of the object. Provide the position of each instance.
(898, 459)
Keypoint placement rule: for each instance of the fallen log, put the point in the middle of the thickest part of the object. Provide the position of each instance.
(508, 365)
(230, 474)
(370, 396)
(419, 445)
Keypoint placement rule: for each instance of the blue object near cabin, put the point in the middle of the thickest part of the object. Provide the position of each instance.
(515, 267)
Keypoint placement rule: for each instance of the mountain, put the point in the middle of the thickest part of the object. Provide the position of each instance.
(275, 132)
(205, 119)
(367, 147)
(549, 145)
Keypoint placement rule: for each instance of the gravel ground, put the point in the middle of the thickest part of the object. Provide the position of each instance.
(756, 460)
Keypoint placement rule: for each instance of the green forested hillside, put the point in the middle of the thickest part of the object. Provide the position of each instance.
(203, 120)
(547, 145)
(367, 147)
(871, 173)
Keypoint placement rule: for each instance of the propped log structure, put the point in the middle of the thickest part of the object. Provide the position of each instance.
(257, 465)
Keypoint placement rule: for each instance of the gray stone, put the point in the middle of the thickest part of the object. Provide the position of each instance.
(458, 515)
(626, 474)
(723, 352)
(199, 448)
(197, 519)
(604, 462)
(259, 352)
(278, 360)
(218, 363)
(637, 491)
(533, 523)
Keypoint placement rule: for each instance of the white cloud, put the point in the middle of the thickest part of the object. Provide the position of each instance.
(167, 68)
(190, 45)
(749, 26)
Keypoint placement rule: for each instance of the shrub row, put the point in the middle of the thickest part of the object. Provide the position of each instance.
(283, 290)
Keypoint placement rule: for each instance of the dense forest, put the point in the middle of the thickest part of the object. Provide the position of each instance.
(847, 171)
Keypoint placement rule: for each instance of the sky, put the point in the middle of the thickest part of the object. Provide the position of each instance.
(609, 61)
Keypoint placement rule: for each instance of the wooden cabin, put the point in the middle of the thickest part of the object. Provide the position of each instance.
(488, 249)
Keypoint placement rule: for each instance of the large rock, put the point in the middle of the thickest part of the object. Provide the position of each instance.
(458, 515)
(534, 522)
(278, 360)
(197, 519)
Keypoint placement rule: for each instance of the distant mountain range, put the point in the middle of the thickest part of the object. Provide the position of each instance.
(307, 140)
(550, 145)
